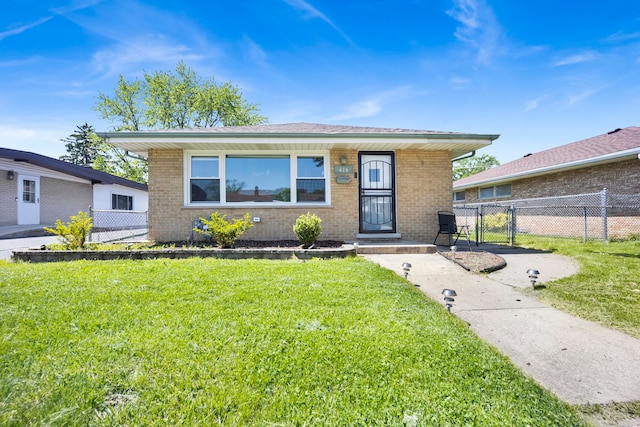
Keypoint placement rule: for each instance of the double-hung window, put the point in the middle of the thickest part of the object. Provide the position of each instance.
(275, 179)
(204, 181)
(310, 182)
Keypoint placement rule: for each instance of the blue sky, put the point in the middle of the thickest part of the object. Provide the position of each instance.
(541, 73)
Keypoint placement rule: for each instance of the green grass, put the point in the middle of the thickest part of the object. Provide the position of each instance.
(607, 289)
(251, 342)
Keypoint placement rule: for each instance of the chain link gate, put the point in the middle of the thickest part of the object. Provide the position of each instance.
(497, 224)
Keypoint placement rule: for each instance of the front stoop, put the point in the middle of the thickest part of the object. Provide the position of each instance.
(386, 247)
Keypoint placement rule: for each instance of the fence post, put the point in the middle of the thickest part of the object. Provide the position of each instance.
(513, 224)
(584, 216)
(603, 213)
(91, 215)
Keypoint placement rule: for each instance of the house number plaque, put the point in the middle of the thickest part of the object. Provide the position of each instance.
(343, 169)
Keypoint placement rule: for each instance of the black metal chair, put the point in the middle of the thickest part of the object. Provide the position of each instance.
(447, 225)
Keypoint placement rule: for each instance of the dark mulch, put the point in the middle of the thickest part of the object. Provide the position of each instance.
(266, 244)
(478, 262)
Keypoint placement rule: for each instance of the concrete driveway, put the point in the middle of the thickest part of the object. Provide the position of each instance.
(8, 245)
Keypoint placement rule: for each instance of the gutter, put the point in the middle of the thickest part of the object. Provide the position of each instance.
(199, 134)
(467, 156)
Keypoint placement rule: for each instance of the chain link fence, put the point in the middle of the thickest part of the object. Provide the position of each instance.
(118, 225)
(594, 216)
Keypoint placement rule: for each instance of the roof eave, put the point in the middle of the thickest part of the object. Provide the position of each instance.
(142, 142)
(593, 161)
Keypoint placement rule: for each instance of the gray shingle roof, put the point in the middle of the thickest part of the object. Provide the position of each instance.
(96, 177)
(304, 128)
(582, 152)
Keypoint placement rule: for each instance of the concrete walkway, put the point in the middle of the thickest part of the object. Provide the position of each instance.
(580, 361)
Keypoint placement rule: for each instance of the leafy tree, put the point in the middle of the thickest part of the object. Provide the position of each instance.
(83, 146)
(175, 100)
(118, 162)
(473, 165)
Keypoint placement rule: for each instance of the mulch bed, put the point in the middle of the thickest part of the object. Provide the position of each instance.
(478, 262)
(266, 244)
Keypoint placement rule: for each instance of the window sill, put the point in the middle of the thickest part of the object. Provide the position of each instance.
(258, 205)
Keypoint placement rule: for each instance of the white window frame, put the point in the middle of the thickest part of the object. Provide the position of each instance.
(188, 179)
(494, 192)
(293, 171)
(455, 199)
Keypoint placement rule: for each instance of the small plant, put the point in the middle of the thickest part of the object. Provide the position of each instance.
(225, 233)
(307, 228)
(75, 232)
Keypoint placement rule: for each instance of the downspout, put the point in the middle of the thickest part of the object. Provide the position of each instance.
(473, 153)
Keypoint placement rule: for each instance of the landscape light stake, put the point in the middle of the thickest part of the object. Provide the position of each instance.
(406, 267)
(533, 276)
(448, 298)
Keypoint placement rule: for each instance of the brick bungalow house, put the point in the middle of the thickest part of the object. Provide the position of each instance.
(587, 166)
(36, 189)
(362, 182)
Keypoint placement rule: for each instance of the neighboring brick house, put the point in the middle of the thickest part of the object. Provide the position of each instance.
(36, 189)
(362, 182)
(588, 166)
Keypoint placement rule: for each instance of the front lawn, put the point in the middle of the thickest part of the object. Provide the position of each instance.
(607, 289)
(251, 342)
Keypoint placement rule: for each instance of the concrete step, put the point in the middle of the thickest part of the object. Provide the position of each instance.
(367, 247)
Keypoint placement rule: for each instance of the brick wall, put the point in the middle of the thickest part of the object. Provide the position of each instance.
(620, 177)
(60, 199)
(423, 183)
(8, 204)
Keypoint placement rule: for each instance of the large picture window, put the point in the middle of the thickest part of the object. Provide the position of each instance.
(205, 179)
(258, 179)
(255, 178)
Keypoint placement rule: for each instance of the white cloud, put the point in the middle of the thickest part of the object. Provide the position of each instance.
(41, 138)
(146, 50)
(22, 29)
(575, 59)
(574, 98)
(75, 5)
(373, 105)
(312, 12)
(534, 103)
(621, 36)
(478, 28)
(459, 82)
(253, 51)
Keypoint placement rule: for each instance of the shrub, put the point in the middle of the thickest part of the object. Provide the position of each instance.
(307, 228)
(495, 222)
(225, 233)
(75, 232)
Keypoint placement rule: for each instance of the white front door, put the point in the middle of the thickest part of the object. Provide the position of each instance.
(28, 199)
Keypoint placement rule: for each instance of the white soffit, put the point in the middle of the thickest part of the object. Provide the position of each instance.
(141, 143)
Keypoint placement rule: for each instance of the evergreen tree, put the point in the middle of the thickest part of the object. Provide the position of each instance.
(83, 146)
